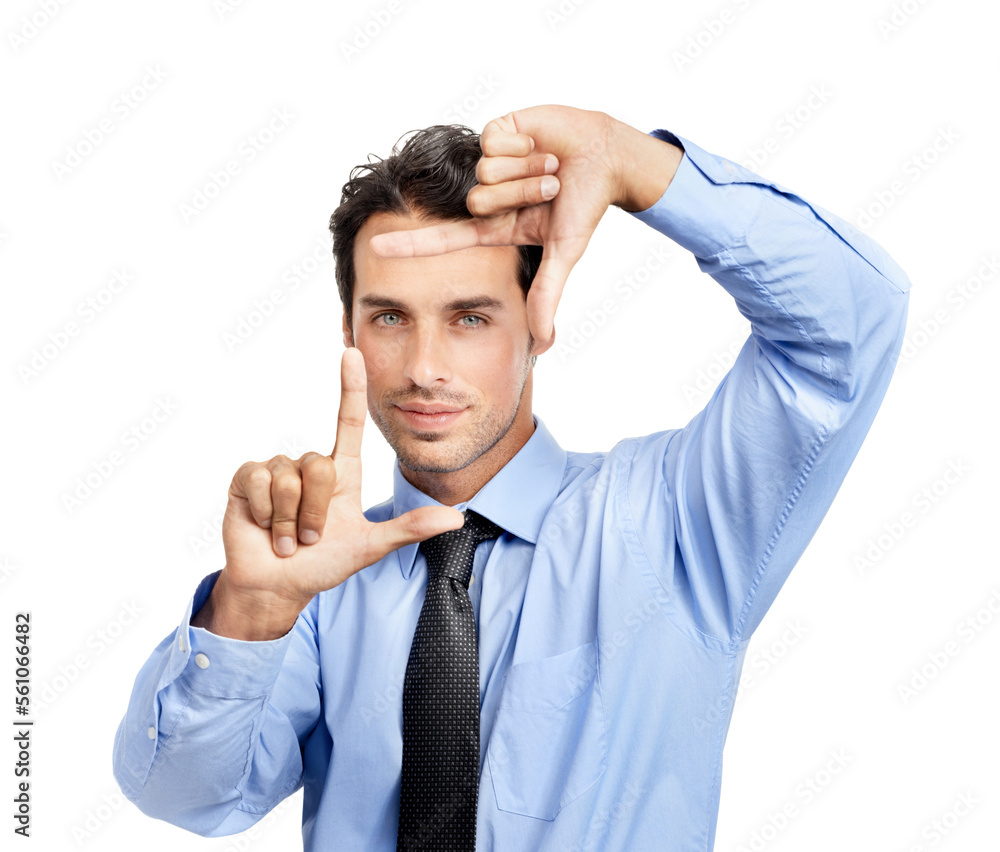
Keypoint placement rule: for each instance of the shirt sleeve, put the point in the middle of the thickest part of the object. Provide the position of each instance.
(211, 737)
(747, 482)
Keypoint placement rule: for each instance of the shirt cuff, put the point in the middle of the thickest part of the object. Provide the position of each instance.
(218, 666)
(704, 209)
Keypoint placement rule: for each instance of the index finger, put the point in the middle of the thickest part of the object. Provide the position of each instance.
(353, 404)
(420, 242)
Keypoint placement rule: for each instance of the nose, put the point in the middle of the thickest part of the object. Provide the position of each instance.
(428, 356)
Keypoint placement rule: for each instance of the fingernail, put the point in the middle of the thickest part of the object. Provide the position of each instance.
(266, 524)
(551, 164)
(286, 546)
(550, 186)
(308, 536)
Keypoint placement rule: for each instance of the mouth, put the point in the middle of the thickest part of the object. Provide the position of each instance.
(430, 416)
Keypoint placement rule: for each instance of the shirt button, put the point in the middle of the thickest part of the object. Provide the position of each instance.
(202, 661)
(472, 579)
(181, 644)
(151, 733)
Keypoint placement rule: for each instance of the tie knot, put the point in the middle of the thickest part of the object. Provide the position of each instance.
(451, 553)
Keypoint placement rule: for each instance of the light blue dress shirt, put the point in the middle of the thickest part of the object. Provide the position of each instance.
(613, 614)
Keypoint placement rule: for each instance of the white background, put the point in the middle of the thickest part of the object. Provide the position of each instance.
(107, 578)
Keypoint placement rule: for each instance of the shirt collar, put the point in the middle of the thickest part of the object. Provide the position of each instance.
(516, 498)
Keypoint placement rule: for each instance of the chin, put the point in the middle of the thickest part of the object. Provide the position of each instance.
(446, 451)
(430, 462)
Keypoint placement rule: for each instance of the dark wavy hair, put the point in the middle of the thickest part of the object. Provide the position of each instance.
(430, 175)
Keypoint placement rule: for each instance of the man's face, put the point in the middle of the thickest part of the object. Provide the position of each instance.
(447, 350)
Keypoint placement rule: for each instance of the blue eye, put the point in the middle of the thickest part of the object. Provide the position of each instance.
(391, 320)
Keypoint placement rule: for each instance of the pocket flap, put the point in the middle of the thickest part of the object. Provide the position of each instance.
(548, 743)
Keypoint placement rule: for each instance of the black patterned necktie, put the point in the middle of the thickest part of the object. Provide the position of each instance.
(437, 808)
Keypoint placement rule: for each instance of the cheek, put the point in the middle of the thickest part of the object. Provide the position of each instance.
(500, 376)
(377, 354)
(377, 370)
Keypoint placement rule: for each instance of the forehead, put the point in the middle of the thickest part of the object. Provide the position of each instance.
(442, 277)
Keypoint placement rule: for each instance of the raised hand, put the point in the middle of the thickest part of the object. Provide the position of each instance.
(596, 160)
(315, 500)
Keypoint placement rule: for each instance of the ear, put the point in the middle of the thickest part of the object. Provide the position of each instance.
(348, 336)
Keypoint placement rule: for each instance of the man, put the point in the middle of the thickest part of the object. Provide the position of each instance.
(615, 599)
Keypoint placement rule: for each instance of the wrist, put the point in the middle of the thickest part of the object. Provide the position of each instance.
(646, 165)
(247, 616)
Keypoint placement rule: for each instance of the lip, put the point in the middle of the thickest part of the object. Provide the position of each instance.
(430, 416)
(429, 409)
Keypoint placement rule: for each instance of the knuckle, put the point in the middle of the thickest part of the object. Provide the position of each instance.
(286, 487)
(322, 476)
(256, 475)
(351, 420)
(476, 202)
(411, 525)
(486, 171)
(487, 140)
(315, 463)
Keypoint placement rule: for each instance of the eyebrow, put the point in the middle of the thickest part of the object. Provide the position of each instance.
(468, 304)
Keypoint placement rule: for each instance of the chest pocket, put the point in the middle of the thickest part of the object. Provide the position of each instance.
(549, 742)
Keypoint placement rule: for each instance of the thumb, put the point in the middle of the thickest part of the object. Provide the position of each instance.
(546, 290)
(413, 526)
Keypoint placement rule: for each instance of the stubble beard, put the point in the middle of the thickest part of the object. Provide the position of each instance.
(413, 448)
